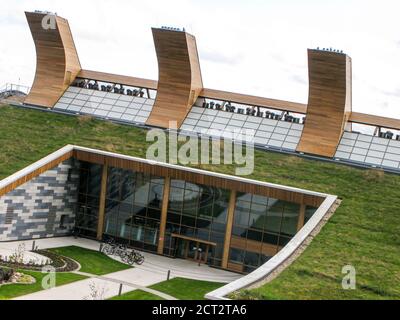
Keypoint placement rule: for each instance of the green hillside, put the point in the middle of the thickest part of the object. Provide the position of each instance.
(364, 232)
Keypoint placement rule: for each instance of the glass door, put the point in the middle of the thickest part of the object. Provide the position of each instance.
(192, 250)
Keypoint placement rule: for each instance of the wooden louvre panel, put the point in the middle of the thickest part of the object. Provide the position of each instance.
(57, 62)
(254, 246)
(330, 102)
(180, 81)
(236, 267)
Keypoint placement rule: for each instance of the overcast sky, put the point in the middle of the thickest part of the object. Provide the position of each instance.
(256, 47)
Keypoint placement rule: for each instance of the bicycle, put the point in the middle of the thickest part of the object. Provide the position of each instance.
(133, 257)
(109, 247)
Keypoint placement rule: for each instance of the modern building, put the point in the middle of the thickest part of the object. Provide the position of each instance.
(224, 221)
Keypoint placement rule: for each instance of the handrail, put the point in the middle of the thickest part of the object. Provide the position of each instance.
(9, 87)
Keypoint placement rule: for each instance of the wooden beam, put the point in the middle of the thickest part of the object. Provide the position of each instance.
(302, 217)
(254, 101)
(180, 81)
(329, 103)
(118, 79)
(375, 121)
(229, 227)
(164, 214)
(102, 206)
(57, 61)
(179, 236)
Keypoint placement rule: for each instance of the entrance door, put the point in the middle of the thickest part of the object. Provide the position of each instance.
(192, 250)
(197, 251)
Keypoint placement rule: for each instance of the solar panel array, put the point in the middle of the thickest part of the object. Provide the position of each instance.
(369, 150)
(106, 105)
(220, 124)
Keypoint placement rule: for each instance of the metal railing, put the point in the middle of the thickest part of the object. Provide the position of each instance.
(12, 89)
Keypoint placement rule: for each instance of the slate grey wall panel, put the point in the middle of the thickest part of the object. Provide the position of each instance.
(38, 205)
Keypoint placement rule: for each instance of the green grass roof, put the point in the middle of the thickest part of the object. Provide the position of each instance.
(364, 232)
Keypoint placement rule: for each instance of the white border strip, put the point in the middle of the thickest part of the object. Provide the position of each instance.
(265, 270)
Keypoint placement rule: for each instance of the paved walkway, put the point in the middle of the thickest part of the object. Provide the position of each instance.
(154, 270)
(107, 286)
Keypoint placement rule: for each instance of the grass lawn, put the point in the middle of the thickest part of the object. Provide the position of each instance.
(137, 295)
(180, 288)
(92, 262)
(364, 232)
(17, 290)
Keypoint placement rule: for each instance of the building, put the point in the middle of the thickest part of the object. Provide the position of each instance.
(224, 221)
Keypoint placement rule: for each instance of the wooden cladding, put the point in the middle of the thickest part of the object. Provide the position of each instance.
(225, 182)
(229, 227)
(329, 104)
(102, 206)
(164, 214)
(35, 173)
(180, 81)
(254, 246)
(57, 62)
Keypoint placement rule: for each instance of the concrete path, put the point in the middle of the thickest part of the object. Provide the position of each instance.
(154, 270)
(107, 286)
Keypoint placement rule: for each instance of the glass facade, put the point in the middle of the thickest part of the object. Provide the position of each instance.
(198, 212)
(196, 218)
(262, 226)
(133, 208)
(88, 199)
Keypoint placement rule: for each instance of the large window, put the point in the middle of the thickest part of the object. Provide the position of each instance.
(198, 212)
(88, 198)
(261, 227)
(133, 207)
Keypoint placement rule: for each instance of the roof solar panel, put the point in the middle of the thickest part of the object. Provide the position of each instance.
(369, 150)
(229, 125)
(106, 105)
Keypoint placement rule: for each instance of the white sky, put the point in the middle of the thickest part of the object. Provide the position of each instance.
(256, 47)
